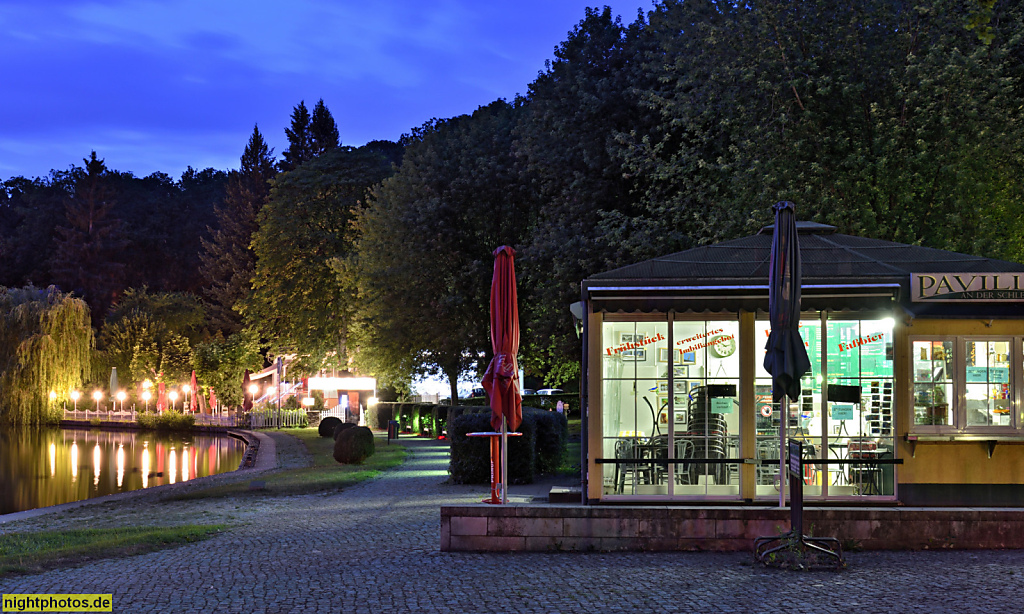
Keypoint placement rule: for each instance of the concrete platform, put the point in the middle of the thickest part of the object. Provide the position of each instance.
(547, 527)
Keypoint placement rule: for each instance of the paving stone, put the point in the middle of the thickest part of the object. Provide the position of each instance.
(375, 548)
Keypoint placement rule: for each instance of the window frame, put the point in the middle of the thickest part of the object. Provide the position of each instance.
(959, 423)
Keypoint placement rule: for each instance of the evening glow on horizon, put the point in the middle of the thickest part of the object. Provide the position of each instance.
(160, 86)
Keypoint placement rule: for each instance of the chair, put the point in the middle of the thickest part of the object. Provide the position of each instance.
(864, 477)
(657, 449)
(684, 449)
(630, 449)
(709, 435)
(767, 449)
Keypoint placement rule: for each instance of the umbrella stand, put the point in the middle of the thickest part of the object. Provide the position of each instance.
(499, 459)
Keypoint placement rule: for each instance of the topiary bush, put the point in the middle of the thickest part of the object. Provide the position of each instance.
(353, 445)
(341, 428)
(327, 426)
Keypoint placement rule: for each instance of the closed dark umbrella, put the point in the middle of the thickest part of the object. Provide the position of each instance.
(501, 381)
(786, 358)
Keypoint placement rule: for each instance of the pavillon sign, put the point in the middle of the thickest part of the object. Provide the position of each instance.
(966, 287)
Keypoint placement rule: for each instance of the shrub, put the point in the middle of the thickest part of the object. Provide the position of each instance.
(353, 445)
(471, 456)
(327, 426)
(291, 403)
(342, 427)
(552, 438)
(94, 421)
(167, 421)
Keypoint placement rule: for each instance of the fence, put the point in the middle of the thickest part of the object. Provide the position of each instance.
(270, 417)
(103, 416)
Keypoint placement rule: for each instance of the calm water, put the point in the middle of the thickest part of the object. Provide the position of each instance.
(43, 467)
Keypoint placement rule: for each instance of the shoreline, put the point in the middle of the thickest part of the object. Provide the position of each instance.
(266, 460)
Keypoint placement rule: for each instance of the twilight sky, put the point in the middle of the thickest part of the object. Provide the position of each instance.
(159, 85)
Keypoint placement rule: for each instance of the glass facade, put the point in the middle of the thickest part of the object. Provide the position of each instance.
(671, 403)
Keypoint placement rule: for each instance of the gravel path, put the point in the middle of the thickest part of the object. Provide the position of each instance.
(374, 548)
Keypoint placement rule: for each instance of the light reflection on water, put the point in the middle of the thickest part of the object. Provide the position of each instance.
(40, 467)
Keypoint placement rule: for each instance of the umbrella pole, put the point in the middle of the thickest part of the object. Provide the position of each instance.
(783, 423)
(504, 460)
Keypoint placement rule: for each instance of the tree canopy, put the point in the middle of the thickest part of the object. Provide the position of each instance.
(46, 341)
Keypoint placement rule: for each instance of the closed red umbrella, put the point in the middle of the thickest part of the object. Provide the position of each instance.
(195, 392)
(213, 401)
(246, 399)
(501, 379)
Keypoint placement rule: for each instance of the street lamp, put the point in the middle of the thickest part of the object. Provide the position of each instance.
(173, 396)
(120, 397)
(146, 396)
(74, 397)
(97, 395)
(186, 389)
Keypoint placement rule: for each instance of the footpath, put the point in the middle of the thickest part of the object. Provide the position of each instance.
(374, 548)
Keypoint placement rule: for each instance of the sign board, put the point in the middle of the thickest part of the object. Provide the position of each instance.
(796, 451)
(977, 375)
(842, 412)
(966, 287)
(721, 406)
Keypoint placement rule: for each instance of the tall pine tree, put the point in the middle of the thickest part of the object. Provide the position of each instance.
(323, 131)
(299, 147)
(88, 242)
(227, 260)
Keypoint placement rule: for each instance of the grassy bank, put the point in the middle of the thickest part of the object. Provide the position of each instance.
(325, 474)
(35, 552)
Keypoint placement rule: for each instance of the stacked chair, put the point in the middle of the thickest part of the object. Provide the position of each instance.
(710, 438)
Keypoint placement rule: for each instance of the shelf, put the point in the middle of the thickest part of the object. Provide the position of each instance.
(989, 440)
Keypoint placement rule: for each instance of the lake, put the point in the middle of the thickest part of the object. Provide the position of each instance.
(49, 466)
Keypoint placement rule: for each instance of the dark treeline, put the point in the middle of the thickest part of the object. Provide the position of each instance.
(888, 119)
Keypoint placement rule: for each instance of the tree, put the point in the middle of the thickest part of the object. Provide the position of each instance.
(86, 250)
(228, 260)
(298, 304)
(46, 343)
(300, 146)
(884, 120)
(323, 131)
(423, 262)
(567, 142)
(150, 335)
(221, 363)
(308, 135)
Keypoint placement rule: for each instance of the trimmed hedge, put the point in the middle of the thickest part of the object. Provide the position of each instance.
(167, 421)
(419, 418)
(353, 445)
(341, 428)
(471, 456)
(327, 426)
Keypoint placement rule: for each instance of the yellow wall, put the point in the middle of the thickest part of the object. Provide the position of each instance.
(950, 462)
(595, 426)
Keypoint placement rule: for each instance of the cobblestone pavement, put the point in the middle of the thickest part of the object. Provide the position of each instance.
(375, 548)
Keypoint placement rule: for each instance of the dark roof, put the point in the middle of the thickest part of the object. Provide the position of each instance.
(830, 261)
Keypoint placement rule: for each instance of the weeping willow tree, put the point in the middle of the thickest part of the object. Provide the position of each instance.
(46, 342)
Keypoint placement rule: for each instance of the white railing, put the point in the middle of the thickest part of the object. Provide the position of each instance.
(103, 416)
(335, 412)
(270, 418)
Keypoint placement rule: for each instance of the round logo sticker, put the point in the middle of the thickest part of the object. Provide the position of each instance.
(766, 411)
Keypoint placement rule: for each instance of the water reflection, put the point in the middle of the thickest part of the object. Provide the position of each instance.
(40, 467)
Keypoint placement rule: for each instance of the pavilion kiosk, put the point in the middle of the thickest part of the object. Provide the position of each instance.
(932, 340)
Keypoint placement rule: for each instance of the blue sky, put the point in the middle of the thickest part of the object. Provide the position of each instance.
(160, 85)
